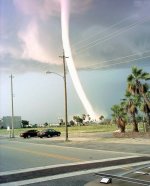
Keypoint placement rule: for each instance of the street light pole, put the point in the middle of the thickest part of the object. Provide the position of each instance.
(12, 106)
(65, 92)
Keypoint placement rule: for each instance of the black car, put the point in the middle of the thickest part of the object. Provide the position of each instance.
(29, 133)
(48, 133)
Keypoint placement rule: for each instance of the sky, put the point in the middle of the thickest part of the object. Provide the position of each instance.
(107, 38)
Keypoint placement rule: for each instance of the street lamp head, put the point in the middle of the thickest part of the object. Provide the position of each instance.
(49, 72)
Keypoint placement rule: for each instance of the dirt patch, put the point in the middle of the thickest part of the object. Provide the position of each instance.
(131, 135)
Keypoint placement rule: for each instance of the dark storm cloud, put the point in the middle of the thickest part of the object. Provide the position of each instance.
(118, 29)
(31, 32)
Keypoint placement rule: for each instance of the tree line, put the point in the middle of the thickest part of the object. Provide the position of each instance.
(84, 119)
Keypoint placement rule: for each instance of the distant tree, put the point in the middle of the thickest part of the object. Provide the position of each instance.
(72, 123)
(78, 119)
(45, 124)
(83, 116)
(89, 118)
(107, 121)
(25, 123)
(101, 117)
(74, 118)
(61, 122)
(119, 117)
(34, 125)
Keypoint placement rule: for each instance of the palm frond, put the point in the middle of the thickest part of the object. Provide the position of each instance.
(147, 76)
(130, 78)
(139, 73)
(136, 71)
(127, 94)
(145, 88)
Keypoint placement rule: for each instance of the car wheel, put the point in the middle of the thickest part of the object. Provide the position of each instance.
(28, 136)
(58, 134)
(48, 135)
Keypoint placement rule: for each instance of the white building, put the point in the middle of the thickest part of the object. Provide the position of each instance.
(7, 122)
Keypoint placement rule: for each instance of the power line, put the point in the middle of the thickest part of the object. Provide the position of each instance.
(116, 59)
(93, 43)
(99, 65)
(107, 37)
(96, 34)
(110, 36)
(115, 64)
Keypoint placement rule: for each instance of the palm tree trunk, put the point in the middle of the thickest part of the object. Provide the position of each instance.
(135, 125)
(146, 100)
(121, 125)
(148, 118)
(122, 129)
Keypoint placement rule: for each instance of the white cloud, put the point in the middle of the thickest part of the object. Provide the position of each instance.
(4, 50)
(38, 8)
(32, 48)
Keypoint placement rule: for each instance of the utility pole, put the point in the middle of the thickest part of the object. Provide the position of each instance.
(65, 91)
(12, 106)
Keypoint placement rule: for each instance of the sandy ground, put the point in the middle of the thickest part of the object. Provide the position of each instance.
(104, 138)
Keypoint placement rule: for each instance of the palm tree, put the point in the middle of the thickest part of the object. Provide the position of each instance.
(119, 117)
(101, 117)
(131, 107)
(136, 85)
(88, 117)
(83, 116)
(61, 121)
(144, 108)
(78, 119)
(45, 124)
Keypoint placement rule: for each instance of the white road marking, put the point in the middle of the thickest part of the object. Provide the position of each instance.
(62, 165)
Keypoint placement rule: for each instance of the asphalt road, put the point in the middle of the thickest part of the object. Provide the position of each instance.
(90, 177)
(93, 179)
(29, 155)
(22, 154)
